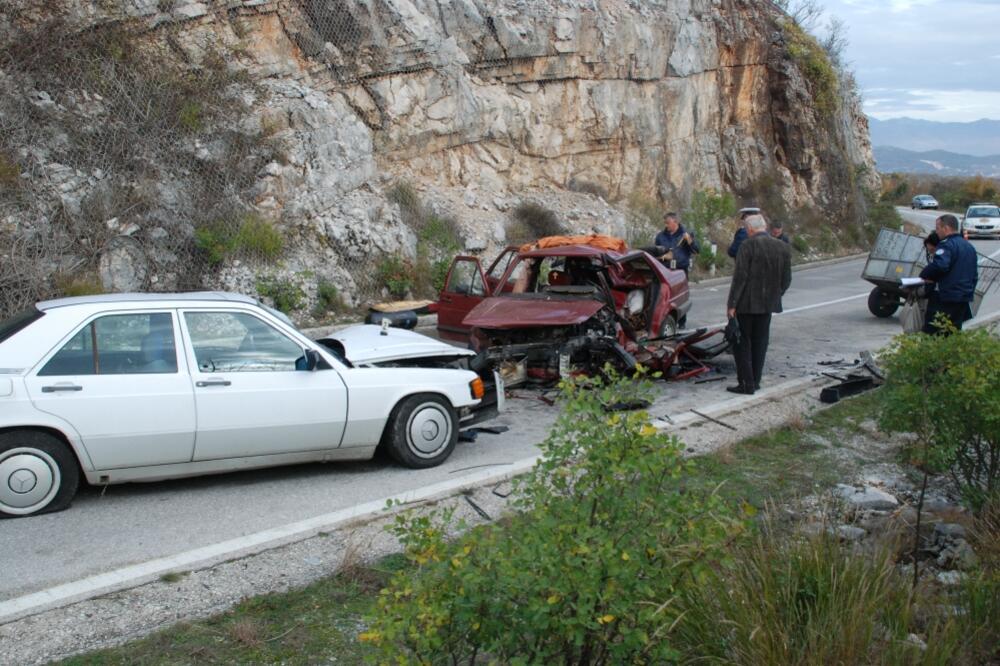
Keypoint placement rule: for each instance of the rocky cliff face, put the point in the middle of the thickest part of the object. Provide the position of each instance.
(303, 114)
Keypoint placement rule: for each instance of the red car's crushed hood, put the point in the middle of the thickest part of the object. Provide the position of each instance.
(508, 312)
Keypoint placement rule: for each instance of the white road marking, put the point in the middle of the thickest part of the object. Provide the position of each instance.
(995, 254)
(808, 307)
(824, 304)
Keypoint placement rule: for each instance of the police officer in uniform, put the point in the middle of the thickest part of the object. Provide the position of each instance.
(954, 274)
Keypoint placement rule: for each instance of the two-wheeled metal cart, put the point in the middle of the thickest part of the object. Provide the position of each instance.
(897, 255)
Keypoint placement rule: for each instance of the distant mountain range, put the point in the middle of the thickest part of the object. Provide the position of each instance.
(889, 159)
(980, 138)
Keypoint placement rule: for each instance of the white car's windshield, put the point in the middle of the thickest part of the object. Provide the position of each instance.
(984, 211)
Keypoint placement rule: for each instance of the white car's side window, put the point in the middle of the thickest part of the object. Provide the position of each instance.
(239, 342)
(141, 343)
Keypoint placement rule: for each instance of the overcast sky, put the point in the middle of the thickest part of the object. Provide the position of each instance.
(930, 59)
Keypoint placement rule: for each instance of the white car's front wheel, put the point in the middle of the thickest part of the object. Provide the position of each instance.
(37, 473)
(422, 432)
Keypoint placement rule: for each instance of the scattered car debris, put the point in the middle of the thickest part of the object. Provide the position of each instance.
(470, 434)
(478, 509)
(713, 420)
(853, 385)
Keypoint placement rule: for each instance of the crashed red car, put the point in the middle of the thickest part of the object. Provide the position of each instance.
(556, 310)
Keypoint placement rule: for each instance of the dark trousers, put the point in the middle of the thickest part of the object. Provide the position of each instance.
(957, 313)
(755, 333)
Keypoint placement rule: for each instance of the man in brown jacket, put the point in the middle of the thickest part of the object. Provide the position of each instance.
(762, 276)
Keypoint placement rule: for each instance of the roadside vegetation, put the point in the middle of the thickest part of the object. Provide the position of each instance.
(437, 241)
(953, 193)
(619, 550)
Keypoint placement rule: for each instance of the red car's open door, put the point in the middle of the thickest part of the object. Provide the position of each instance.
(464, 289)
(499, 267)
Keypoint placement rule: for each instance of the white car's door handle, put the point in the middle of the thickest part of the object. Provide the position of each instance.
(214, 382)
(61, 387)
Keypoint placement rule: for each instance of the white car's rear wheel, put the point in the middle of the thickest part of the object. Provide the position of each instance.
(37, 473)
(422, 431)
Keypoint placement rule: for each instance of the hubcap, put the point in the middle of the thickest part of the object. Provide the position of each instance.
(429, 430)
(29, 479)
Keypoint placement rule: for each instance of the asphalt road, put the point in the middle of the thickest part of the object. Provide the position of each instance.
(825, 318)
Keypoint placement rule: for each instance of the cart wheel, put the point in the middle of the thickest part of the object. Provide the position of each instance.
(882, 303)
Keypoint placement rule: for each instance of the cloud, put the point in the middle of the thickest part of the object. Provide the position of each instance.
(929, 104)
(939, 50)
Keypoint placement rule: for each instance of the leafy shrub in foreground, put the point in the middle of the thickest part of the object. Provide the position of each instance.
(605, 536)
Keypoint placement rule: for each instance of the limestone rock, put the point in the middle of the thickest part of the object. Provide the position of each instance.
(123, 266)
(867, 498)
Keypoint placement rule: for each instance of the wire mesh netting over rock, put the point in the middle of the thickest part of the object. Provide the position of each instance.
(143, 148)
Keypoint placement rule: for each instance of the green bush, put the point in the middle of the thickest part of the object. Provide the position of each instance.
(944, 390)
(285, 294)
(438, 241)
(815, 65)
(706, 207)
(258, 238)
(583, 575)
(706, 258)
(395, 273)
(250, 237)
(328, 298)
(190, 117)
(800, 244)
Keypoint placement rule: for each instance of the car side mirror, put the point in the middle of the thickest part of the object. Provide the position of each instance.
(312, 359)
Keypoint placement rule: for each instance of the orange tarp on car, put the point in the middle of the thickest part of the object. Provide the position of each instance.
(593, 240)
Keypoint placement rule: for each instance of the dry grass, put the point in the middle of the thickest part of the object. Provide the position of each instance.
(246, 632)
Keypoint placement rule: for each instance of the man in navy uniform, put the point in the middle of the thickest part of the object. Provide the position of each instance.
(675, 244)
(954, 274)
(741, 233)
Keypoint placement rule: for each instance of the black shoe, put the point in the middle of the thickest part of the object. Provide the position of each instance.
(739, 389)
(756, 387)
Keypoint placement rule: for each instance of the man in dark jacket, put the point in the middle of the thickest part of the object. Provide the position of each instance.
(954, 272)
(675, 244)
(777, 231)
(762, 276)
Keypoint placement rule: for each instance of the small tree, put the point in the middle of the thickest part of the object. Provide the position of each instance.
(584, 574)
(944, 389)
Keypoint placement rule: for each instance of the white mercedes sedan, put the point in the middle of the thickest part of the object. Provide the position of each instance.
(142, 387)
